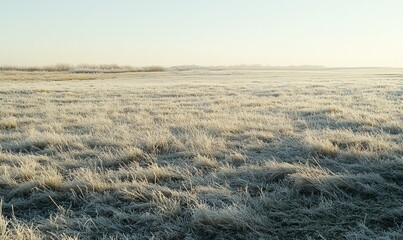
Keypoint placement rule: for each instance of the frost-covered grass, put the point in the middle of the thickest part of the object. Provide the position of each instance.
(231, 154)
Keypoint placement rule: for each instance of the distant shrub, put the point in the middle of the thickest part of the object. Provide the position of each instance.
(57, 68)
(152, 69)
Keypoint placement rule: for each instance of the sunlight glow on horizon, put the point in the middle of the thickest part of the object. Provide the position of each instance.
(155, 32)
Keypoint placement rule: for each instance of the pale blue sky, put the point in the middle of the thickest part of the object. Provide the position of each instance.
(209, 32)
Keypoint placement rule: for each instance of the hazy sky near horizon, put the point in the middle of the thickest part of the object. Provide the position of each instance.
(349, 33)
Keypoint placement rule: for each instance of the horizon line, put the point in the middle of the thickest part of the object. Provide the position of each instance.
(246, 66)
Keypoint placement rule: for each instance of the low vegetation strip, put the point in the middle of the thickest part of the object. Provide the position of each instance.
(84, 68)
(203, 155)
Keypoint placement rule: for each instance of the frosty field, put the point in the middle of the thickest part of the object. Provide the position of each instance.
(202, 154)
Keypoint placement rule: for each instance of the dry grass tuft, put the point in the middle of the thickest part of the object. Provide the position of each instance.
(8, 123)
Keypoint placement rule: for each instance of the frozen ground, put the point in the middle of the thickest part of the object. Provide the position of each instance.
(231, 154)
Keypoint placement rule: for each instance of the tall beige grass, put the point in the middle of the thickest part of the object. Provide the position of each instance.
(273, 154)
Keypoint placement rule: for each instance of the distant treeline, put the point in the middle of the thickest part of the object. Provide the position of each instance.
(113, 68)
(84, 68)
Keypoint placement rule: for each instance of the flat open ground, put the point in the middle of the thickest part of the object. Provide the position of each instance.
(231, 154)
